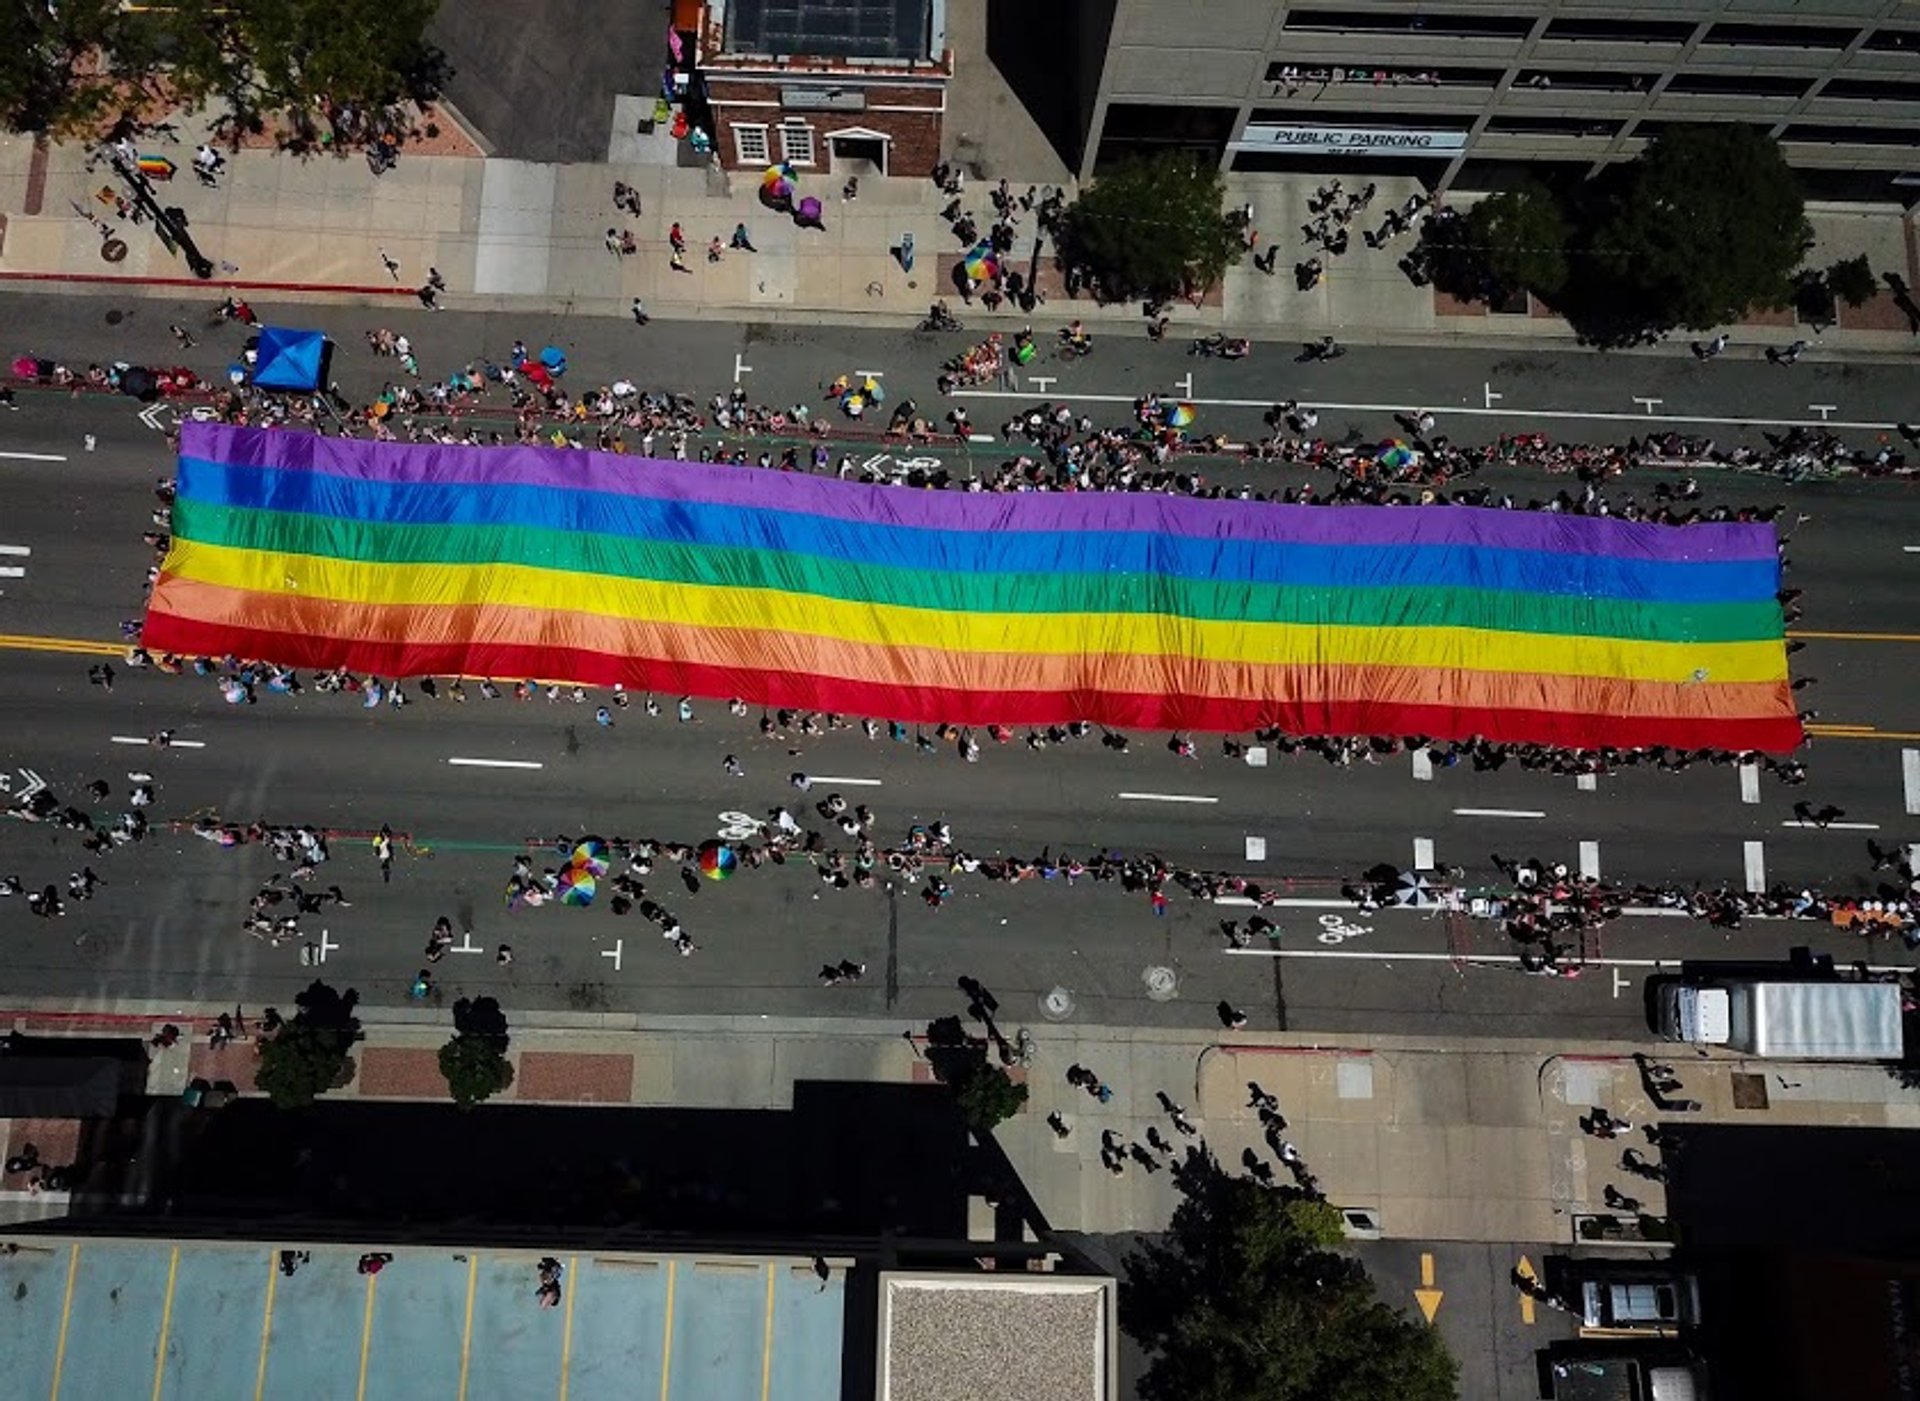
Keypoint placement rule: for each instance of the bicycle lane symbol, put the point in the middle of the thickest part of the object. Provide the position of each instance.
(1334, 929)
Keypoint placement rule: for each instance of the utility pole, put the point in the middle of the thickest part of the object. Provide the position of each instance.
(170, 223)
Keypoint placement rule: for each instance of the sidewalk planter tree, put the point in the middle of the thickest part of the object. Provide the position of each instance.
(1152, 227)
(475, 1059)
(310, 1054)
(1245, 1297)
(1708, 222)
(986, 1095)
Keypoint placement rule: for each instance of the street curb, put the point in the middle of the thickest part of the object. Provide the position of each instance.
(209, 284)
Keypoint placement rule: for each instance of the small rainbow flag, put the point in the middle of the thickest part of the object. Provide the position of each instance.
(156, 167)
(1133, 610)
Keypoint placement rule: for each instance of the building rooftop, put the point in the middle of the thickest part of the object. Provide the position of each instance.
(895, 29)
(961, 1337)
(92, 1318)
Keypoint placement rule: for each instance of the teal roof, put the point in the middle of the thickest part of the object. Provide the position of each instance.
(104, 1318)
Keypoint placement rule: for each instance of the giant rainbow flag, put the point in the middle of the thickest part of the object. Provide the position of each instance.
(1139, 611)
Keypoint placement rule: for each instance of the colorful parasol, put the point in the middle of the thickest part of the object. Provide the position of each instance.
(591, 856)
(808, 212)
(717, 860)
(1393, 453)
(578, 886)
(776, 186)
(1181, 415)
(981, 263)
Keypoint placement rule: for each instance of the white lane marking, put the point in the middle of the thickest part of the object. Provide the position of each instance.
(1756, 854)
(143, 741)
(1598, 415)
(33, 456)
(849, 782)
(619, 948)
(16, 549)
(1168, 798)
(1587, 782)
(1256, 756)
(1496, 812)
(1910, 549)
(1256, 848)
(1489, 960)
(1648, 404)
(1589, 860)
(740, 368)
(324, 947)
(496, 763)
(12, 571)
(1910, 778)
(1750, 782)
(1291, 902)
(1833, 826)
(1913, 856)
(1620, 982)
(980, 437)
(1423, 853)
(1422, 765)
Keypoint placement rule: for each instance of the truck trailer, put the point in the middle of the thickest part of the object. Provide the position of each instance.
(1798, 1020)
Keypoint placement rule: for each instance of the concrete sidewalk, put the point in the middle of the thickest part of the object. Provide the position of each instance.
(505, 233)
(1474, 1141)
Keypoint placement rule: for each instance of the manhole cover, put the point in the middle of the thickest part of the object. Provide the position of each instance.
(115, 317)
(114, 250)
(1056, 1005)
(1749, 1091)
(1163, 984)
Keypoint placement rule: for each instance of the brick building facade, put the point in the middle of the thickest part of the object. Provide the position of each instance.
(829, 89)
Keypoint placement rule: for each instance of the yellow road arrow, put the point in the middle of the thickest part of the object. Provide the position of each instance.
(1426, 1296)
(1524, 1270)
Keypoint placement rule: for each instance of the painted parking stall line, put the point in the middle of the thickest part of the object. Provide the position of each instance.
(465, 763)
(1498, 812)
(1168, 798)
(145, 743)
(844, 782)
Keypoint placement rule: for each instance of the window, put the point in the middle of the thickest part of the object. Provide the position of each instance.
(1875, 88)
(1898, 40)
(1853, 135)
(1581, 80)
(1419, 22)
(750, 144)
(796, 143)
(1738, 84)
(1551, 126)
(1637, 31)
(1781, 36)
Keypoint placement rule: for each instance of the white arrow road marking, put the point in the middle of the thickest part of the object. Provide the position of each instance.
(150, 416)
(36, 785)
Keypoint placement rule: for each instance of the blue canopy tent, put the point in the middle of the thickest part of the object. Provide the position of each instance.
(290, 359)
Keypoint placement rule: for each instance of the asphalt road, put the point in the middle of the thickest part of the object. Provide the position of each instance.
(166, 925)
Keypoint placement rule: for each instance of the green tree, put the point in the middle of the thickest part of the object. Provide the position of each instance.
(986, 1095)
(1708, 222)
(1152, 227)
(475, 1059)
(310, 1054)
(1244, 1297)
(1852, 280)
(1520, 239)
(79, 63)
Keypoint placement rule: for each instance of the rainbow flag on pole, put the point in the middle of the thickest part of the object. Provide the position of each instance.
(1139, 611)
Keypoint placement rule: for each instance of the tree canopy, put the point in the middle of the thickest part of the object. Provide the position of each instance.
(1244, 1297)
(1520, 237)
(80, 64)
(475, 1060)
(1152, 227)
(1708, 222)
(985, 1094)
(309, 1055)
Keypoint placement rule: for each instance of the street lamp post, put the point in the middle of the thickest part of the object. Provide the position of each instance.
(171, 225)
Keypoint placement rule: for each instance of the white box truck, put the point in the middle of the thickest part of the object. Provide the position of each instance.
(1785, 1020)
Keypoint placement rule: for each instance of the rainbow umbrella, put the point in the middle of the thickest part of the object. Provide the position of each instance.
(981, 263)
(717, 860)
(590, 856)
(1181, 415)
(1393, 453)
(578, 886)
(776, 186)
